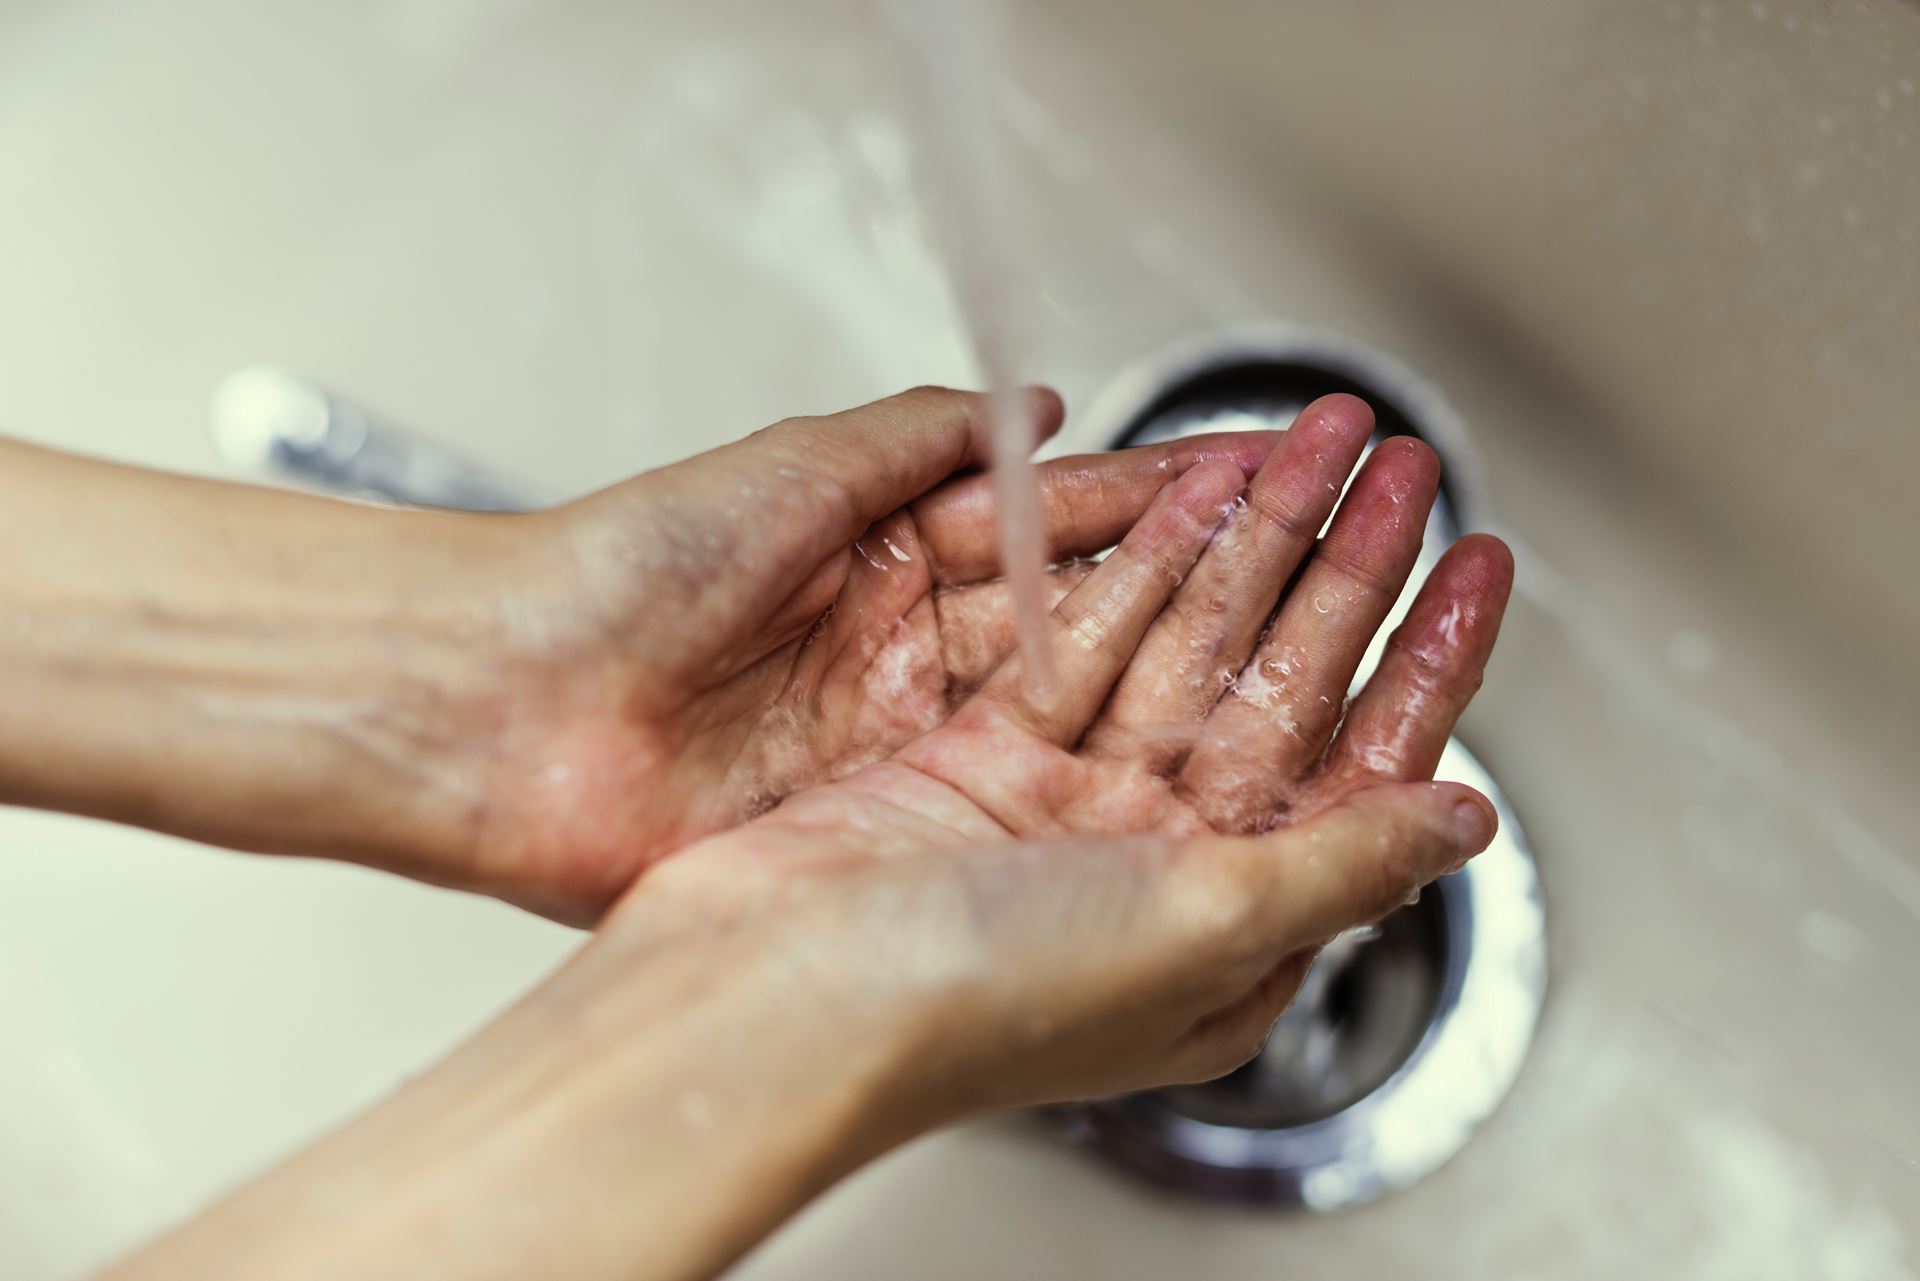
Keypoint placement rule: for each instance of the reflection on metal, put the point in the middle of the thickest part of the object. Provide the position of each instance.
(1404, 1036)
(1383, 1067)
(280, 427)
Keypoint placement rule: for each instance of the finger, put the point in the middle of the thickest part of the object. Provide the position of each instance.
(876, 654)
(1361, 859)
(1094, 631)
(1287, 700)
(844, 471)
(879, 579)
(1087, 501)
(978, 627)
(1197, 648)
(1399, 724)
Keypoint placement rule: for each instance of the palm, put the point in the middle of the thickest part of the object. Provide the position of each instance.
(718, 635)
(1213, 705)
(1194, 701)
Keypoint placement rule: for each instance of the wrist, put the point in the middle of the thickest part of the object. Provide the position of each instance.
(422, 660)
(247, 667)
(654, 1109)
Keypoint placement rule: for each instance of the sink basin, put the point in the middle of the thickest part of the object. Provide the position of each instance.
(1662, 261)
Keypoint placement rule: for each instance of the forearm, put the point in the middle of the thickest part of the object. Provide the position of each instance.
(648, 1113)
(258, 669)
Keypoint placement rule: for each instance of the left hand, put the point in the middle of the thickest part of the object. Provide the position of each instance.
(693, 645)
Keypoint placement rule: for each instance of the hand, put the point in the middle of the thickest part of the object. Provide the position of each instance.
(960, 880)
(1112, 884)
(704, 640)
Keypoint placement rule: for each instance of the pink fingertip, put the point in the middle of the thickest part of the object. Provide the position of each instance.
(1475, 826)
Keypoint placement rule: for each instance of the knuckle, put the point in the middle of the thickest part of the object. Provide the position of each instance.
(1373, 578)
(1403, 648)
(1163, 559)
(1376, 882)
(1277, 511)
(931, 391)
(799, 425)
(933, 399)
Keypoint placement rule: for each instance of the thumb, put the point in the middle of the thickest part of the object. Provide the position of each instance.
(1366, 856)
(855, 467)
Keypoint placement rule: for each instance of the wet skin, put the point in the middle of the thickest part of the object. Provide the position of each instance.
(959, 893)
(1202, 669)
(688, 648)
(789, 618)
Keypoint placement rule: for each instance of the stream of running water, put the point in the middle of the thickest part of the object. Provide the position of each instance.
(959, 64)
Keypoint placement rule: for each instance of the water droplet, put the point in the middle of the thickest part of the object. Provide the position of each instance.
(1175, 577)
(897, 553)
(1324, 601)
(1239, 503)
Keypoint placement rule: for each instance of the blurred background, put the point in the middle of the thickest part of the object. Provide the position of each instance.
(1662, 261)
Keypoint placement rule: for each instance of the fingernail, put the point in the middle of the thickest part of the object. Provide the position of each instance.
(1474, 825)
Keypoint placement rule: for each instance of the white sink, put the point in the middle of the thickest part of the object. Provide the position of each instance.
(1664, 263)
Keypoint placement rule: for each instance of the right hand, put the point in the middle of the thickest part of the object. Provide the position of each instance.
(1121, 884)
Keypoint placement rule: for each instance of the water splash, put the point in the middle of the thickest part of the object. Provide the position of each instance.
(960, 56)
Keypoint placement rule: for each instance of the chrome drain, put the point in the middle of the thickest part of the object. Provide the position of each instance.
(1405, 1036)
(1361, 1014)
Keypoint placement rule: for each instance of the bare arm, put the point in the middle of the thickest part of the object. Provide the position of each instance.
(1045, 897)
(534, 706)
(253, 668)
(727, 1048)
(651, 1111)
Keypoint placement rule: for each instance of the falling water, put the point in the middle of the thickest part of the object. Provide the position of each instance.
(959, 61)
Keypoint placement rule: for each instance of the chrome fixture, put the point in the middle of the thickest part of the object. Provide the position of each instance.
(283, 428)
